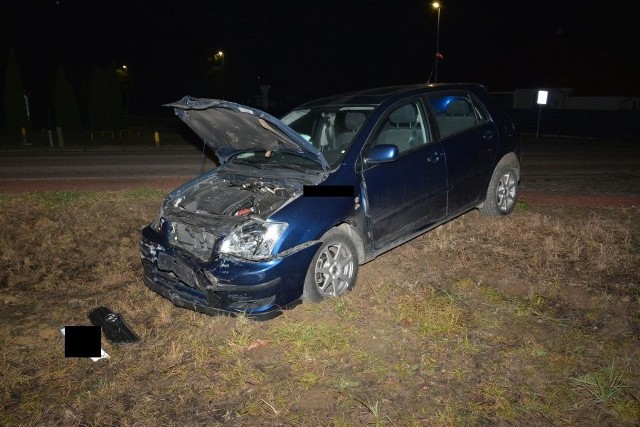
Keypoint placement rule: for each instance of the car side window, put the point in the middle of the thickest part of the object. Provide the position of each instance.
(456, 113)
(405, 127)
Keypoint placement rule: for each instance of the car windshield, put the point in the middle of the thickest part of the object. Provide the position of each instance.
(329, 129)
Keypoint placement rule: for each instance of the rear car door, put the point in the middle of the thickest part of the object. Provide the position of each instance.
(409, 193)
(469, 139)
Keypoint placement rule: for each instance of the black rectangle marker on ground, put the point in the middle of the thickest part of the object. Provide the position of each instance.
(328, 191)
(82, 341)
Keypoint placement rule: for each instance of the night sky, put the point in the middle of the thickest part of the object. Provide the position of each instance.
(306, 49)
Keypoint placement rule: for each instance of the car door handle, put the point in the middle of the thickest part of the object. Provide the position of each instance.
(488, 135)
(434, 157)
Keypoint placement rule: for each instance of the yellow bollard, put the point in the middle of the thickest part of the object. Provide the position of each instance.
(23, 132)
(156, 137)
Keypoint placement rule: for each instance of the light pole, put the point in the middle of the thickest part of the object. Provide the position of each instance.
(436, 5)
(219, 56)
(123, 76)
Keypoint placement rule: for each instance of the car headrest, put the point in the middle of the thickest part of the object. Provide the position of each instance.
(353, 120)
(406, 114)
(458, 108)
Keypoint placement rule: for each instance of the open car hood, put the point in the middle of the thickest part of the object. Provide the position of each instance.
(228, 128)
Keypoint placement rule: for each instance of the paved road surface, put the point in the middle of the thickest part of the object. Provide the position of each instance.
(132, 164)
(551, 168)
(100, 169)
(581, 168)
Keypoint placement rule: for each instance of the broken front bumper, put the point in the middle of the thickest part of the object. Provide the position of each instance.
(224, 285)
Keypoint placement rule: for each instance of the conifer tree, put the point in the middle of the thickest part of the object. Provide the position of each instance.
(15, 106)
(106, 102)
(98, 101)
(65, 105)
(115, 100)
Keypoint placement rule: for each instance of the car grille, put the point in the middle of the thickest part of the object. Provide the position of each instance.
(196, 240)
(178, 267)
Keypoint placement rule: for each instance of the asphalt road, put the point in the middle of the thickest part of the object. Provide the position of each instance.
(581, 167)
(117, 164)
(571, 166)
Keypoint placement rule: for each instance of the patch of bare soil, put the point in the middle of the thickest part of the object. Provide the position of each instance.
(532, 319)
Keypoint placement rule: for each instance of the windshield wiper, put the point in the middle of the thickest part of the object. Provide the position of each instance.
(245, 162)
(289, 166)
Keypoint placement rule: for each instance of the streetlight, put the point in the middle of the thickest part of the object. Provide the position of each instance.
(219, 56)
(122, 71)
(436, 5)
(123, 77)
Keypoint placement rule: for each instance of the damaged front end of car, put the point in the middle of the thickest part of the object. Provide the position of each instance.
(213, 249)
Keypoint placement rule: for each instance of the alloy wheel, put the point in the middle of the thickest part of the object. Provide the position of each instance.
(506, 191)
(334, 270)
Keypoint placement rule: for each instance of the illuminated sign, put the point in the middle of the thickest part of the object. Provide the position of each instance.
(542, 97)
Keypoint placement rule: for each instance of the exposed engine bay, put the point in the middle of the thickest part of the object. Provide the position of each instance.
(199, 216)
(236, 198)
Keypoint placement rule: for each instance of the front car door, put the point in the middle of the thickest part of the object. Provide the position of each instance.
(409, 193)
(469, 139)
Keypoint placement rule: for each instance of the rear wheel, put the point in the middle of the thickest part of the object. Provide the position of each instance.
(333, 270)
(502, 193)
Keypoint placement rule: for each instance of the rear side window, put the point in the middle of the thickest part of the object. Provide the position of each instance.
(456, 113)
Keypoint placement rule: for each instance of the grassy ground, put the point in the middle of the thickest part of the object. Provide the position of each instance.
(529, 320)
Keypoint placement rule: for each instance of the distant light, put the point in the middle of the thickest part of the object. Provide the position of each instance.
(435, 5)
(542, 97)
(122, 71)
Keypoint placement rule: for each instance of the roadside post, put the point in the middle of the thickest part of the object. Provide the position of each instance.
(542, 100)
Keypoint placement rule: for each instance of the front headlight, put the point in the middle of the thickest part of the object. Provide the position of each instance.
(253, 240)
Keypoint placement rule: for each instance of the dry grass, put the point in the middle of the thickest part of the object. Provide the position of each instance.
(533, 319)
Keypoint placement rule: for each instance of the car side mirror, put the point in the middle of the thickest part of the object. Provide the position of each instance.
(383, 153)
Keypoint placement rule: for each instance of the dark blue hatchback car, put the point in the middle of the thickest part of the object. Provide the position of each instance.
(298, 203)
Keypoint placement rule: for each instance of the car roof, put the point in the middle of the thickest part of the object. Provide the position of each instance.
(376, 96)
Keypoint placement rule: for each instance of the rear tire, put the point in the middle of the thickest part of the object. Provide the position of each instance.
(502, 193)
(333, 270)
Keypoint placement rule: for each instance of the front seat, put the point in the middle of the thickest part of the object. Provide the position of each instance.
(404, 131)
(352, 121)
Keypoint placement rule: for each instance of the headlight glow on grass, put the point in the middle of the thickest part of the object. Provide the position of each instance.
(253, 240)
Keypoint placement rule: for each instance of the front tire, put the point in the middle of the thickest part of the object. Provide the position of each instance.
(502, 193)
(334, 268)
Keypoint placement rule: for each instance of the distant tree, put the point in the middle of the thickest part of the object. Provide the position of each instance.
(115, 100)
(14, 103)
(84, 101)
(106, 102)
(98, 101)
(65, 103)
(216, 73)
